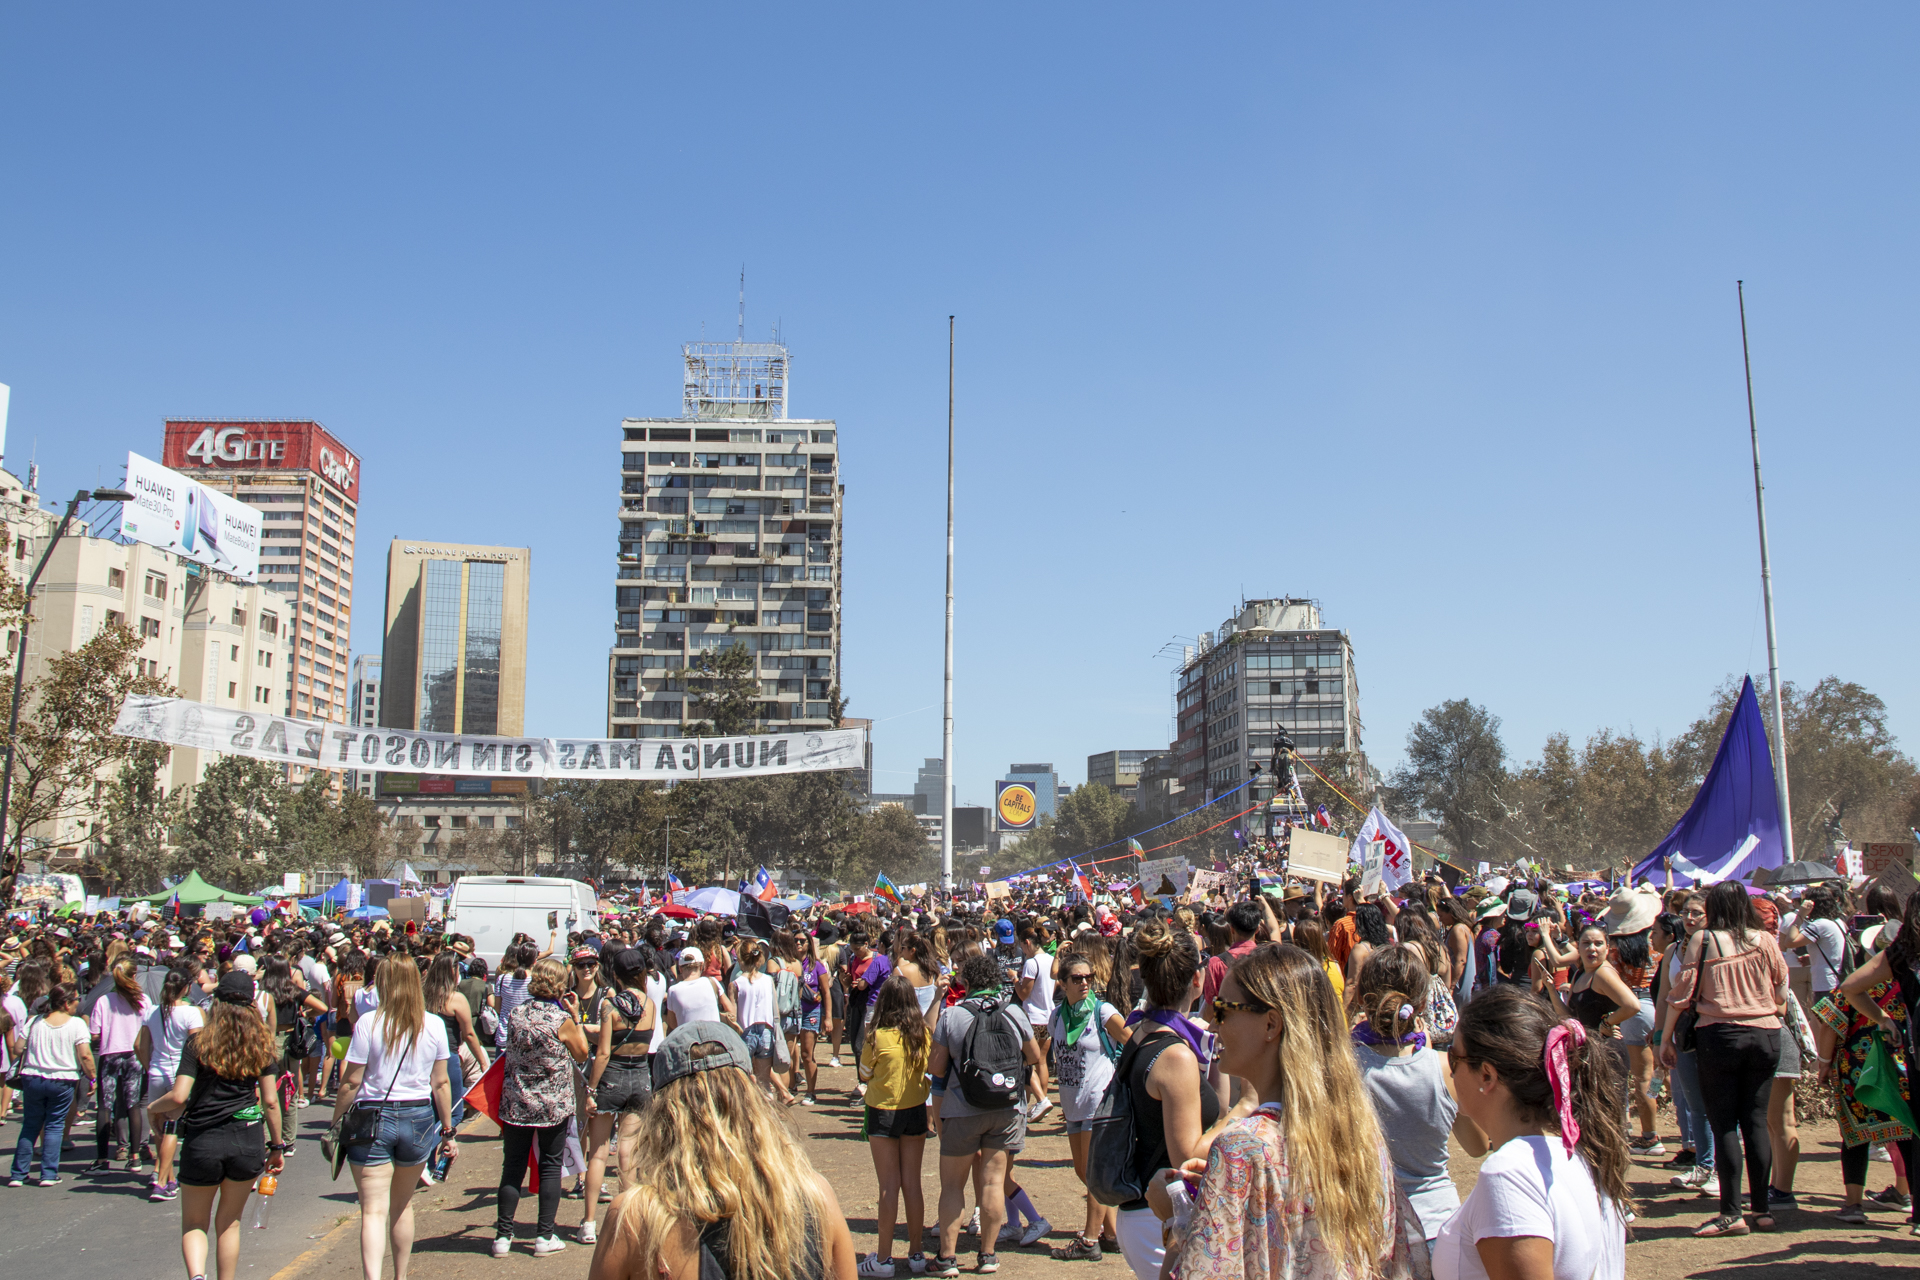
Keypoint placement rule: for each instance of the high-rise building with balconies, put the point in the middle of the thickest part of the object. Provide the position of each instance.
(730, 535)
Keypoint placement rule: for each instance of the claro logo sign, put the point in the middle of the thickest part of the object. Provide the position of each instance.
(230, 444)
(338, 469)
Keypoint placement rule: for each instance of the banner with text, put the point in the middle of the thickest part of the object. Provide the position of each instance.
(181, 723)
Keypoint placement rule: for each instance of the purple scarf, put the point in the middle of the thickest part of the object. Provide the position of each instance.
(1197, 1037)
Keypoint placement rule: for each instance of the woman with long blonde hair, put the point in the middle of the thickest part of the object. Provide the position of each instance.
(1302, 1187)
(723, 1177)
(396, 1064)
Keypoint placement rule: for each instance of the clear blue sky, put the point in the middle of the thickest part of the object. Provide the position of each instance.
(1428, 314)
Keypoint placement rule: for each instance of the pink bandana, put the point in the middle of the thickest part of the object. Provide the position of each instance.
(1559, 1078)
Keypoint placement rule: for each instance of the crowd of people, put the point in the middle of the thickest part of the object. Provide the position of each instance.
(1269, 1083)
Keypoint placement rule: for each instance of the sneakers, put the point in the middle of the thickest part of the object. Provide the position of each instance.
(871, 1265)
(944, 1266)
(1078, 1249)
(589, 1232)
(1852, 1215)
(1778, 1199)
(1009, 1234)
(1684, 1160)
(1710, 1186)
(547, 1246)
(98, 1166)
(809, 1101)
(1893, 1197)
(917, 1263)
(1647, 1144)
(304, 1102)
(1693, 1177)
(973, 1223)
(169, 1190)
(1039, 1109)
(133, 1163)
(988, 1264)
(1035, 1233)
(50, 1182)
(606, 1192)
(834, 1062)
(426, 1175)
(16, 1182)
(502, 1246)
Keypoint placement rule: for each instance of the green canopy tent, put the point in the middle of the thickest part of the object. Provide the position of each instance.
(194, 892)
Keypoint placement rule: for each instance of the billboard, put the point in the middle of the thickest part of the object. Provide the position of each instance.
(428, 784)
(262, 446)
(1015, 806)
(192, 521)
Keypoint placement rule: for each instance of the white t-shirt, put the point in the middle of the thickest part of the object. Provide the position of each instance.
(1826, 953)
(1038, 1005)
(657, 996)
(753, 994)
(695, 1000)
(1084, 1068)
(1532, 1187)
(169, 1029)
(18, 1008)
(1788, 954)
(53, 1052)
(366, 1000)
(318, 980)
(412, 1079)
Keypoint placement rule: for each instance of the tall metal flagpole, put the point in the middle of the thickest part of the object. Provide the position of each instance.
(946, 728)
(1766, 596)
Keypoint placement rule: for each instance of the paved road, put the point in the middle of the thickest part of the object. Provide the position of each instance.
(105, 1226)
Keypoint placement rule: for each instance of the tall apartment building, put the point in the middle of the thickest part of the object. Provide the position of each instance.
(307, 485)
(455, 653)
(218, 641)
(1119, 771)
(1272, 665)
(730, 534)
(365, 712)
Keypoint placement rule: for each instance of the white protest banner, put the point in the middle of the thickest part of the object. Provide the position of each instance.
(325, 745)
(355, 896)
(219, 910)
(1397, 865)
(290, 883)
(192, 521)
(92, 905)
(1165, 878)
(1372, 867)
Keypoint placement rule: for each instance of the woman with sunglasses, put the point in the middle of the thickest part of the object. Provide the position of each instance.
(1302, 1188)
(1088, 1034)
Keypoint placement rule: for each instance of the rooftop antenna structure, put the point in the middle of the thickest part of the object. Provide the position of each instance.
(1766, 596)
(736, 380)
(743, 302)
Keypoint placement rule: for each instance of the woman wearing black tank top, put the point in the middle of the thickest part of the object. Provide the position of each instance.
(620, 1082)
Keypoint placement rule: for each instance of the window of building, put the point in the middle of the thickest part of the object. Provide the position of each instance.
(115, 578)
(156, 587)
(150, 628)
(431, 821)
(484, 823)
(459, 822)
(823, 437)
(233, 688)
(513, 821)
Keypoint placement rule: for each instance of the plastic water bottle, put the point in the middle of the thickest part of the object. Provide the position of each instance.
(263, 1202)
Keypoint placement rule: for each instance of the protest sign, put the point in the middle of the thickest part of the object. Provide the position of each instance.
(1165, 879)
(1315, 855)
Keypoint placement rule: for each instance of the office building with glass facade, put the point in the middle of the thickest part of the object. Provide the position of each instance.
(455, 654)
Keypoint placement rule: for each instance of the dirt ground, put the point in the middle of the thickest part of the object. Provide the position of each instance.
(455, 1221)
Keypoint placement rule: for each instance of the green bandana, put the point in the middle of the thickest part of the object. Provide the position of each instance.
(1079, 1017)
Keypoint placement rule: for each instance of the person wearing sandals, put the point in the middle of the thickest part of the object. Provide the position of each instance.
(1734, 980)
(1552, 1198)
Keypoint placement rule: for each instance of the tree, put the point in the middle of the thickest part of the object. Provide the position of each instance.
(1456, 767)
(1092, 815)
(65, 742)
(231, 833)
(316, 828)
(1346, 770)
(724, 691)
(889, 840)
(137, 817)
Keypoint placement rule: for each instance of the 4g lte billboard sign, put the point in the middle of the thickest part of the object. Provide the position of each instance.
(262, 446)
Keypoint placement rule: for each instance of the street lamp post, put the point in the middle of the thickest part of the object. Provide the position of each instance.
(10, 863)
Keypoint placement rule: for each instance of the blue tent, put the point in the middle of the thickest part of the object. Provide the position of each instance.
(334, 899)
(1732, 828)
(367, 913)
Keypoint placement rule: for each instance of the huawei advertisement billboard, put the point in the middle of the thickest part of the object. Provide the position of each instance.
(262, 446)
(187, 518)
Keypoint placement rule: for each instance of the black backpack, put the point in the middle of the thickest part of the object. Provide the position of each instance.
(1113, 1173)
(993, 1063)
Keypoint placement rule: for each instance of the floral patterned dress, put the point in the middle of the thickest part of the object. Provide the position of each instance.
(537, 1088)
(1859, 1123)
(1253, 1221)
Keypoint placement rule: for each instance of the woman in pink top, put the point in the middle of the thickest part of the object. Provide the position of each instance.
(1734, 980)
(121, 1085)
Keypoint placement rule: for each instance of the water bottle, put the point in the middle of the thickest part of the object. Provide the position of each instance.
(263, 1202)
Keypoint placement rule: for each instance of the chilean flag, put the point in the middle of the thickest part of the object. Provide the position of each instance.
(763, 885)
(1322, 817)
(674, 887)
(1081, 882)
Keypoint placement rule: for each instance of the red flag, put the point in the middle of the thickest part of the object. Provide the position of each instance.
(484, 1097)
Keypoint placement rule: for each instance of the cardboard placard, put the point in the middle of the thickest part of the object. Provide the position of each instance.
(1879, 857)
(402, 909)
(1165, 878)
(1316, 855)
(998, 889)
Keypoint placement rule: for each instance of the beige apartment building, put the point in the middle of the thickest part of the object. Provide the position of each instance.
(218, 641)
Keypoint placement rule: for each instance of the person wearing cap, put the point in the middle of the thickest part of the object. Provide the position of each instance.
(1488, 919)
(696, 997)
(785, 1221)
(226, 1096)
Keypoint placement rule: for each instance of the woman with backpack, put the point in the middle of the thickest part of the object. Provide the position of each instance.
(1172, 1079)
(894, 1066)
(1089, 1035)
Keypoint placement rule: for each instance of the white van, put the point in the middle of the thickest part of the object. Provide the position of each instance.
(491, 909)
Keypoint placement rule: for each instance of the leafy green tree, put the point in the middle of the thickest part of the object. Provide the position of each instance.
(231, 833)
(1455, 772)
(137, 817)
(725, 692)
(889, 840)
(65, 743)
(1092, 815)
